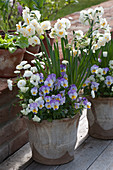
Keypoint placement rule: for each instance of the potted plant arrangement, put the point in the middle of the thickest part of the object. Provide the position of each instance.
(34, 30)
(50, 99)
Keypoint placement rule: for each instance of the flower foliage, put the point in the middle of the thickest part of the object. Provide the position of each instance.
(47, 99)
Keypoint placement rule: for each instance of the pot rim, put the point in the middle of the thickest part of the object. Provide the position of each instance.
(99, 98)
(56, 120)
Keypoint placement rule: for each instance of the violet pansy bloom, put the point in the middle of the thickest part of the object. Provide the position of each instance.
(94, 86)
(94, 68)
(34, 91)
(72, 94)
(34, 107)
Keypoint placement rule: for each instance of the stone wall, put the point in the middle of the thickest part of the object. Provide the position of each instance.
(13, 131)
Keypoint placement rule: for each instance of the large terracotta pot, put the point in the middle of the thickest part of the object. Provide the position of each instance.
(53, 143)
(29, 57)
(100, 118)
(9, 61)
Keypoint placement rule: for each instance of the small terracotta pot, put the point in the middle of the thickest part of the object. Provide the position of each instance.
(100, 117)
(28, 57)
(9, 61)
(53, 143)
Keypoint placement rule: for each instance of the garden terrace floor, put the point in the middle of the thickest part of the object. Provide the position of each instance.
(90, 154)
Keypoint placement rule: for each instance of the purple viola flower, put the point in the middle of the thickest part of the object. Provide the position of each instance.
(99, 60)
(94, 68)
(53, 97)
(48, 105)
(109, 81)
(64, 83)
(55, 104)
(58, 97)
(57, 84)
(48, 82)
(44, 89)
(41, 78)
(86, 83)
(53, 77)
(47, 99)
(94, 86)
(87, 104)
(34, 91)
(62, 68)
(64, 75)
(62, 93)
(73, 87)
(72, 94)
(77, 105)
(80, 99)
(41, 104)
(105, 70)
(62, 101)
(34, 107)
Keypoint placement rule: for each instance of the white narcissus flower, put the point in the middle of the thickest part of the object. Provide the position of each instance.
(10, 84)
(46, 25)
(35, 40)
(59, 25)
(19, 26)
(35, 13)
(84, 17)
(24, 89)
(53, 33)
(23, 63)
(39, 29)
(111, 64)
(36, 119)
(65, 62)
(95, 47)
(101, 41)
(103, 23)
(99, 11)
(61, 33)
(27, 66)
(79, 34)
(19, 67)
(34, 23)
(107, 37)
(91, 13)
(27, 73)
(30, 40)
(30, 29)
(24, 32)
(66, 22)
(92, 93)
(26, 18)
(105, 53)
(21, 83)
(34, 69)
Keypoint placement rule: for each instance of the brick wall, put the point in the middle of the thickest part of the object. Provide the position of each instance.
(13, 131)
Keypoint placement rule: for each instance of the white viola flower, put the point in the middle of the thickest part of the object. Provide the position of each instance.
(31, 101)
(99, 72)
(66, 22)
(35, 13)
(38, 99)
(105, 53)
(102, 78)
(21, 83)
(10, 84)
(25, 111)
(36, 119)
(65, 62)
(24, 89)
(30, 29)
(103, 23)
(99, 11)
(91, 78)
(35, 79)
(19, 67)
(26, 66)
(46, 25)
(34, 69)
(92, 93)
(19, 26)
(27, 73)
(35, 40)
(112, 89)
(79, 34)
(24, 105)
(59, 25)
(111, 64)
(23, 63)
(16, 71)
(107, 37)
(61, 33)
(101, 41)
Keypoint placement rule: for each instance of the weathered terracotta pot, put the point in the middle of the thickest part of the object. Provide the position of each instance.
(100, 118)
(53, 143)
(9, 61)
(28, 57)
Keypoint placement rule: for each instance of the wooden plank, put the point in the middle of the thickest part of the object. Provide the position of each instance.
(18, 159)
(105, 160)
(86, 154)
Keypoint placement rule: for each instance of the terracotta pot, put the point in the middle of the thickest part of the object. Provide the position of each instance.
(9, 61)
(28, 57)
(53, 143)
(100, 118)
